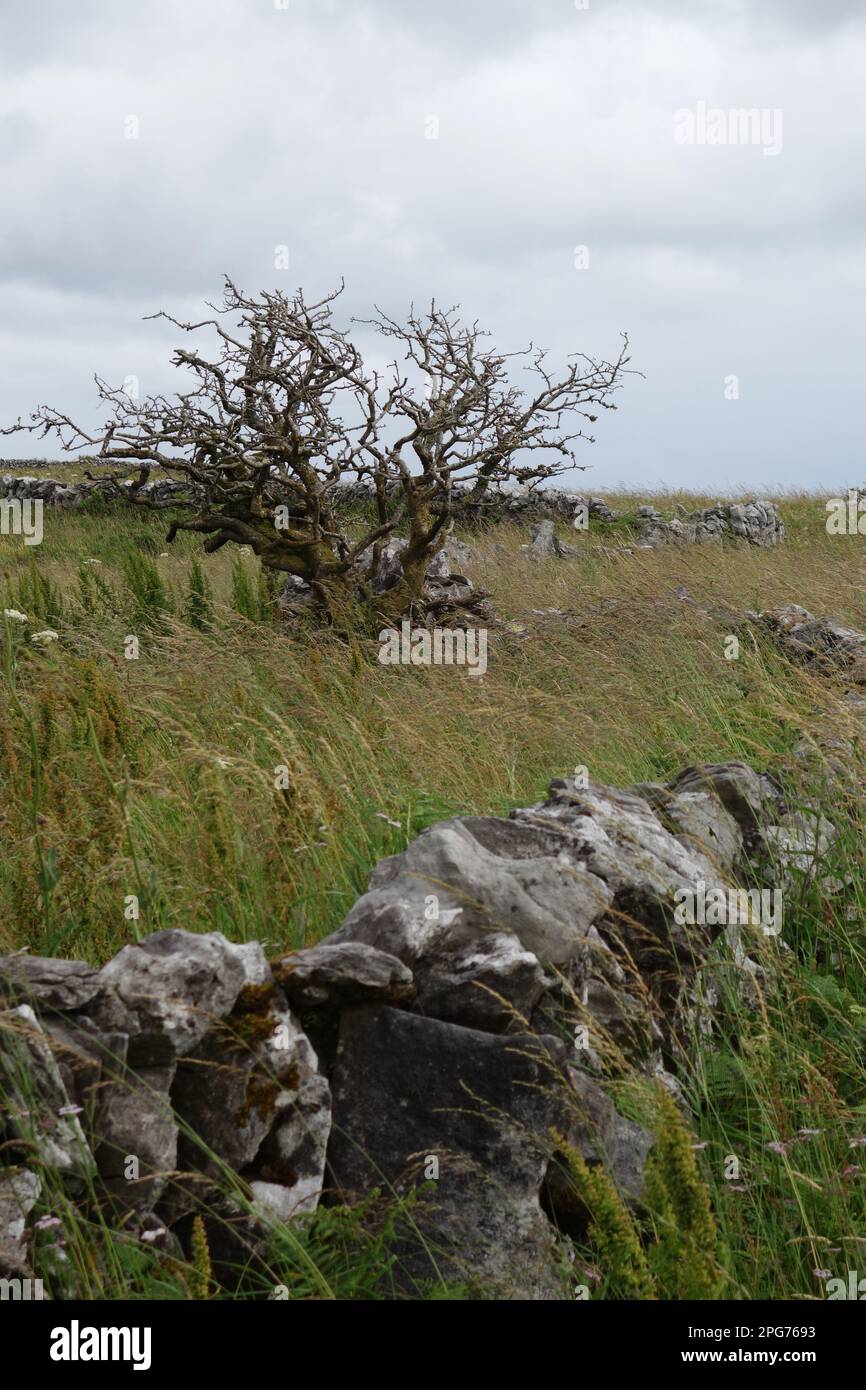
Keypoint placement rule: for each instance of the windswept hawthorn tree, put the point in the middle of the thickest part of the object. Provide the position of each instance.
(283, 412)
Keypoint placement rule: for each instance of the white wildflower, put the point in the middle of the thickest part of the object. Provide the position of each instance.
(45, 638)
(14, 616)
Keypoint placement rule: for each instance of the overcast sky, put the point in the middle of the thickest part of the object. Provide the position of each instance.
(307, 124)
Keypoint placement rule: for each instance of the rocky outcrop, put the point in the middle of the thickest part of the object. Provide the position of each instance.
(467, 1111)
(531, 504)
(448, 597)
(520, 504)
(759, 523)
(545, 544)
(67, 495)
(819, 644)
(472, 1005)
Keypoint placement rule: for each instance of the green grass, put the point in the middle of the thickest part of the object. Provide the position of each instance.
(239, 777)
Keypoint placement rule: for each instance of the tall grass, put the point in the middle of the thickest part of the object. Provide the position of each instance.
(242, 777)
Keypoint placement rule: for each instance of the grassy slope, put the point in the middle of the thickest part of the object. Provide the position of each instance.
(155, 777)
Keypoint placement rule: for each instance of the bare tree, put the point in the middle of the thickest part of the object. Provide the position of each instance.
(283, 413)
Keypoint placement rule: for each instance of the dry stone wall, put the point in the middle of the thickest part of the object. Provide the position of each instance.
(462, 1012)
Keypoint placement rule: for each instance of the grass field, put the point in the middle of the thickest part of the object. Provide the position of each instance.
(154, 778)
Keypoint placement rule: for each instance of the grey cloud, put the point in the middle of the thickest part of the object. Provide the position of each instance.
(306, 127)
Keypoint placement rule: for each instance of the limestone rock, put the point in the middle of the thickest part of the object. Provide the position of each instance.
(135, 1121)
(759, 523)
(476, 901)
(818, 643)
(700, 819)
(415, 1097)
(752, 799)
(40, 1113)
(331, 976)
(593, 1126)
(615, 836)
(47, 983)
(168, 990)
(19, 1193)
(545, 544)
(291, 1161)
(229, 1091)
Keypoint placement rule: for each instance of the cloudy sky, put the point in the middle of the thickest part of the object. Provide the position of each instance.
(527, 159)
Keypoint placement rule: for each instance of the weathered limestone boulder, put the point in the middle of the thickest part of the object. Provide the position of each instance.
(19, 1193)
(451, 559)
(596, 508)
(469, 907)
(167, 992)
(752, 799)
(136, 1134)
(295, 597)
(797, 847)
(343, 973)
(698, 818)
(545, 544)
(86, 1058)
(497, 918)
(416, 1099)
(244, 1073)
(616, 838)
(47, 983)
(820, 644)
(604, 1005)
(291, 1160)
